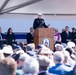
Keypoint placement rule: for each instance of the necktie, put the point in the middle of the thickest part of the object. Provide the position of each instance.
(67, 33)
(32, 34)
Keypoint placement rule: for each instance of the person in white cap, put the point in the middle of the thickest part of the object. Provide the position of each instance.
(71, 44)
(7, 51)
(39, 22)
(48, 53)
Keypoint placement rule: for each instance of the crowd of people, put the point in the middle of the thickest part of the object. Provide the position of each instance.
(8, 38)
(28, 60)
(65, 36)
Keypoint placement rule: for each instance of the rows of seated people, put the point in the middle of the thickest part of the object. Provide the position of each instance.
(10, 37)
(28, 60)
(63, 37)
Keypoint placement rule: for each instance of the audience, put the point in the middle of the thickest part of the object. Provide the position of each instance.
(10, 37)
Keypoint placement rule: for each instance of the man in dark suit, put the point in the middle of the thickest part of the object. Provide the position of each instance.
(1, 34)
(74, 35)
(30, 36)
(66, 35)
(39, 23)
(2, 37)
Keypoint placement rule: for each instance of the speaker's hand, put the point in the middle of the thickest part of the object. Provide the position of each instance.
(48, 25)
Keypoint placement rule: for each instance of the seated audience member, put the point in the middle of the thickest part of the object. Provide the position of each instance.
(30, 49)
(10, 37)
(59, 67)
(66, 58)
(31, 67)
(39, 48)
(66, 35)
(8, 66)
(16, 47)
(22, 58)
(59, 47)
(2, 36)
(71, 44)
(71, 61)
(48, 53)
(74, 35)
(73, 31)
(63, 30)
(22, 45)
(44, 63)
(24, 48)
(64, 44)
(57, 36)
(7, 51)
(30, 36)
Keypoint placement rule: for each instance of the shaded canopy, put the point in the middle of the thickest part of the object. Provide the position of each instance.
(38, 6)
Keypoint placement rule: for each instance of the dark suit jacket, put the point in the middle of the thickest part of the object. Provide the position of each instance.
(2, 42)
(65, 37)
(74, 37)
(60, 69)
(30, 38)
(70, 73)
(3, 36)
(9, 38)
(39, 23)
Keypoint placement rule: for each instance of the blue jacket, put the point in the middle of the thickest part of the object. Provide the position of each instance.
(60, 69)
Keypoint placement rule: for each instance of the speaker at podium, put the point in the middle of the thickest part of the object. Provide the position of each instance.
(44, 36)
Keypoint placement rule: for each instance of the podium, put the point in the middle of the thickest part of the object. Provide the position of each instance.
(44, 36)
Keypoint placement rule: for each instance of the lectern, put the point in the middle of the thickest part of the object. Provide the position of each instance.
(44, 36)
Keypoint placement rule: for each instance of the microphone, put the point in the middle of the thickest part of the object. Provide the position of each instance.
(41, 25)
